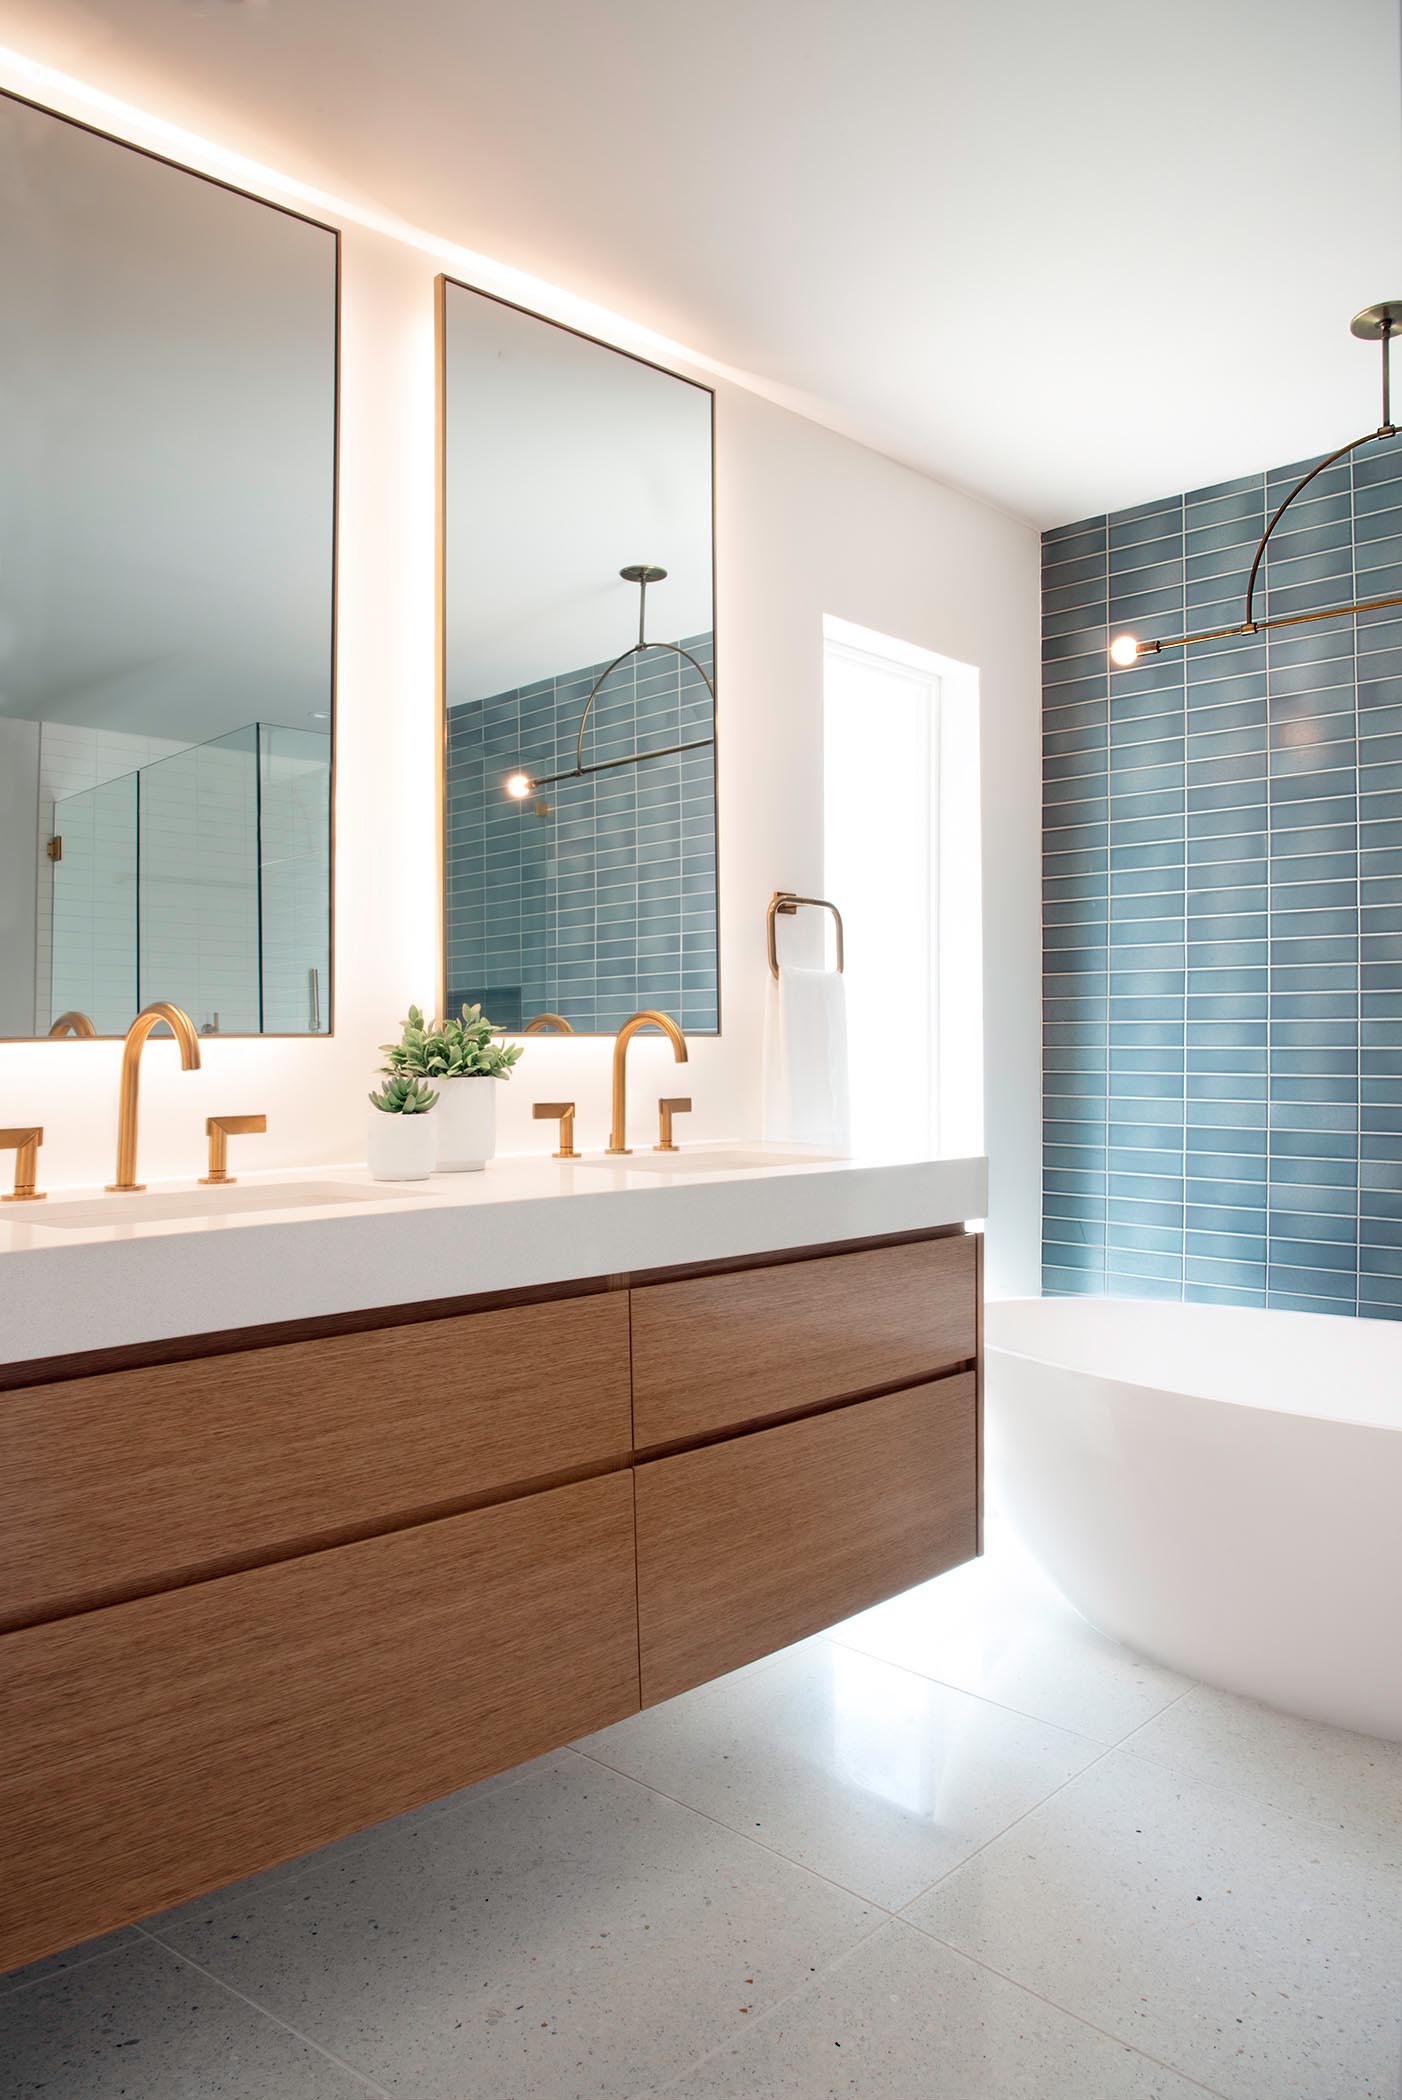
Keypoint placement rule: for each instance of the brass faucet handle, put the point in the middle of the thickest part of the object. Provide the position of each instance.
(675, 1105)
(548, 1111)
(24, 1142)
(219, 1130)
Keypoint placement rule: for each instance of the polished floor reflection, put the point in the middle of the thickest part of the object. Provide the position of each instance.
(961, 1848)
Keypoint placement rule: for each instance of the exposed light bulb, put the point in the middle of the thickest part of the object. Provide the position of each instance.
(519, 785)
(1124, 651)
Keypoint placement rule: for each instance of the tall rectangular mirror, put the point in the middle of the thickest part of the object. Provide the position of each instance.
(168, 423)
(577, 676)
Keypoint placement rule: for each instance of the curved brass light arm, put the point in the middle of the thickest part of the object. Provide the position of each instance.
(1375, 324)
(1369, 437)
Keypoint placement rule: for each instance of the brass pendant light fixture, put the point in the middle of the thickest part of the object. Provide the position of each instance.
(519, 785)
(1376, 324)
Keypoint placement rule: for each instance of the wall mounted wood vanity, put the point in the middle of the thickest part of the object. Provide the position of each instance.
(264, 1587)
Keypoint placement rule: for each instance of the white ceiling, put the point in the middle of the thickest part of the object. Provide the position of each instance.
(1067, 256)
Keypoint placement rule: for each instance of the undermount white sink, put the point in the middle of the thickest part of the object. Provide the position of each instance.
(151, 1207)
(715, 1159)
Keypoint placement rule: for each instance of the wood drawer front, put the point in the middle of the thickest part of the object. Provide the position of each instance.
(716, 1351)
(747, 1545)
(158, 1749)
(115, 1485)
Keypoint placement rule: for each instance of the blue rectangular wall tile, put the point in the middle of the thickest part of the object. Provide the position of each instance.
(1236, 1020)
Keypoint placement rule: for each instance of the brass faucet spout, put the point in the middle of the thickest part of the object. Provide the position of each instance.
(128, 1104)
(618, 1136)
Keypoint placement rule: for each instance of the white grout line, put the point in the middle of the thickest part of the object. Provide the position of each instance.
(808, 1983)
(1134, 2048)
(272, 2017)
(747, 1837)
(898, 1923)
(1364, 1839)
(14, 1990)
(1021, 1711)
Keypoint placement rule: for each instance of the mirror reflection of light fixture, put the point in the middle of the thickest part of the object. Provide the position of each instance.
(520, 784)
(1376, 324)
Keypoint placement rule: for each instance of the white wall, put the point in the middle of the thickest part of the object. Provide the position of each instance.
(808, 523)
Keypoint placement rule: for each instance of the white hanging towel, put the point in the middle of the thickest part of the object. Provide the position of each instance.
(806, 1098)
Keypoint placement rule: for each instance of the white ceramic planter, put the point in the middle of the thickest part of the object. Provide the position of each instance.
(466, 1116)
(401, 1148)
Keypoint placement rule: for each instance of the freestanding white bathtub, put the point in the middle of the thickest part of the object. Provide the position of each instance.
(1219, 1489)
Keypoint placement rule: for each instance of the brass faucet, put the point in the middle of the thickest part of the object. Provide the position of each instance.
(618, 1136)
(545, 1024)
(73, 1023)
(183, 1029)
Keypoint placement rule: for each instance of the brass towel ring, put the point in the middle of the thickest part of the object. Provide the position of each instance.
(787, 902)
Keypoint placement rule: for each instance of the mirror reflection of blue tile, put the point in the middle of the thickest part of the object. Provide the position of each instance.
(595, 895)
(1223, 903)
(578, 676)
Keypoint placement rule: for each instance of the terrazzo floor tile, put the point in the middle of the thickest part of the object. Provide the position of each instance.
(905, 2019)
(997, 1628)
(143, 2025)
(575, 1935)
(1352, 1782)
(875, 1777)
(68, 1958)
(1257, 1952)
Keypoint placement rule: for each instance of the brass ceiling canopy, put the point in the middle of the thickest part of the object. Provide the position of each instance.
(1376, 324)
(519, 785)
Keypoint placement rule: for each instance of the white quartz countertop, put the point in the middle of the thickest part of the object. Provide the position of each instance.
(107, 1275)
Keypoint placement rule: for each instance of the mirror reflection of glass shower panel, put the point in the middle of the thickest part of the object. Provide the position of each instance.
(294, 830)
(168, 355)
(198, 897)
(201, 878)
(92, 967)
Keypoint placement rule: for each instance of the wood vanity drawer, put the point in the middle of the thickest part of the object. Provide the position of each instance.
(746, 1545)
(158, 1749)
(712, 1352)
(115, 1485)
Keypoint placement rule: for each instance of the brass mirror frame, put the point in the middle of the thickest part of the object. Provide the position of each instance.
(441, 286)
(235, 189)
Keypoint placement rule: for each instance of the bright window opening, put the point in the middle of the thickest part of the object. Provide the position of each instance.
(901, 862)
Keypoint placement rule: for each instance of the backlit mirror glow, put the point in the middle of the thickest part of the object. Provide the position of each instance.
(167, 546)
(579, 870)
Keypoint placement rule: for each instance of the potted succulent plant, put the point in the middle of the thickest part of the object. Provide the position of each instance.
(455, 1055)
(401, 1142)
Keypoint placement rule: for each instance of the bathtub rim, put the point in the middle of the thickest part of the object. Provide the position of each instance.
(1048, 1360)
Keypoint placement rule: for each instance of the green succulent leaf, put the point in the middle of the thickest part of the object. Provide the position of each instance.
(402, 1095)
(457, 1048)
